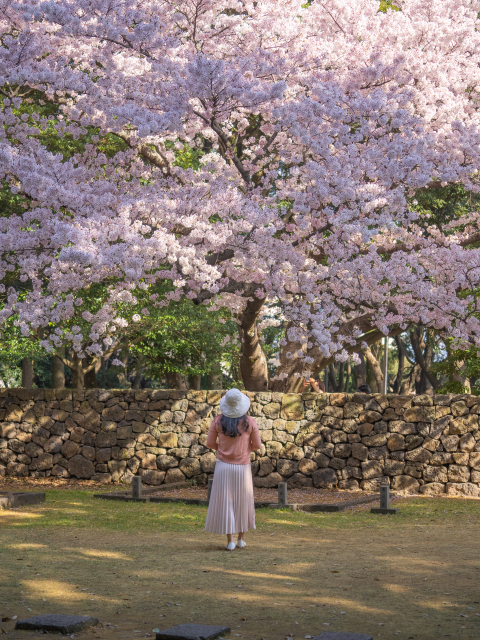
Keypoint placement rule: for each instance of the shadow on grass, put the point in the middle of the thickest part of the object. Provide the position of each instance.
(140, 566)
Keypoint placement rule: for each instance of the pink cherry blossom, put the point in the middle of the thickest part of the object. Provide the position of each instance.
(320, 121)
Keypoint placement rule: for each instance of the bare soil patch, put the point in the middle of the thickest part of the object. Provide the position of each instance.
(298, 496)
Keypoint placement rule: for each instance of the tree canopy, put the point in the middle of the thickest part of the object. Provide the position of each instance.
(235, 152)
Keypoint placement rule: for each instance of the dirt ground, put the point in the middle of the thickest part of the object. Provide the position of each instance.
(298, 496)
(138, 567)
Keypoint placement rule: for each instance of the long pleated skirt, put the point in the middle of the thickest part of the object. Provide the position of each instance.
(231, 508)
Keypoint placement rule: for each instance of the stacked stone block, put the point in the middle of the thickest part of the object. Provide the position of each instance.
(426, 444)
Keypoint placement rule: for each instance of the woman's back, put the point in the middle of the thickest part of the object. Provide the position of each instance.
(234, 435)
(234, 450)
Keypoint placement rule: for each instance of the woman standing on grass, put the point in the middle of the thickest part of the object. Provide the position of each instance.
(234, 436)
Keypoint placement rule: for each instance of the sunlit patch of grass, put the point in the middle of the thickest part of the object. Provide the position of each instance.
(95, 553)
(29, 545)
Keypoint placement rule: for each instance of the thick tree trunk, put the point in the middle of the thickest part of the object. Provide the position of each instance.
(194, 382)
(78, 375)
(137, 380)
(349, 373)
(341, 378)
(407, 385)
(360, 371)
(253, 363)
(215, 378)
(176, 381)
(123, 373)
(27, 373)
(423, 356)
(90, 377)
(458, 377)
(332, 379)
(215, 381)
(289, 367)
(58, 371)
(376, 371)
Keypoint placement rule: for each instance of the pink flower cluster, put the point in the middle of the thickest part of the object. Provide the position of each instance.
(320, 123)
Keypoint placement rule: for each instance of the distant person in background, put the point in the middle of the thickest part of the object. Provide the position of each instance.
(316, 384)
(364, 388)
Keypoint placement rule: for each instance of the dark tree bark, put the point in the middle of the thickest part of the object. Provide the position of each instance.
(176, 381)
(341, 378)
(195, 382)
(290, 366)
(360, 371)
(376, 380)
(408, 384)
(27, 373)
(78, 374)
(137, 380)
(423, 356)
(215, 378)
(332, 379)
(123, 373)
(253, 363)
(349, 373)
(58, 372)
(90, 375)
(401, 364)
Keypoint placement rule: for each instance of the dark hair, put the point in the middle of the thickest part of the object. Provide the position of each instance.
(321, 384)
(230, 426)
(364, 388)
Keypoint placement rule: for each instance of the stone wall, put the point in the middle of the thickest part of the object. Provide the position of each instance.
(429, 444)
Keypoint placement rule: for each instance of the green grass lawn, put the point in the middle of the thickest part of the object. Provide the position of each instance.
(78, 508)
(140, 566)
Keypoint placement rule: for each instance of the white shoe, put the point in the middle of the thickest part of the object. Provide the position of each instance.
(231, 546)
(241, 544)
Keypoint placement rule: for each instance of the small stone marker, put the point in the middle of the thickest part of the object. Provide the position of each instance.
(282, 494)
(342, 635)
(192, 632)
(209, 490)
(56, 623)
(137, 487)
(384, 501)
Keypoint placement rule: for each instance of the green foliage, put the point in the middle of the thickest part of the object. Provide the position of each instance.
(465, 364)
(108, 378)
(188, 339)
(10, 373)
(444, 205)
(185, 156)
(385, 5)
(45, 117)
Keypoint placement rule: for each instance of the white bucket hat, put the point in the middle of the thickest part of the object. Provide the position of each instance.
(234, 404)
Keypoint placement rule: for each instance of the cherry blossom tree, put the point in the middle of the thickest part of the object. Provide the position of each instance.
(315, 126)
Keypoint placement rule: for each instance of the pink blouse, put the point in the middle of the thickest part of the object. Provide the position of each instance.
(234, 450)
